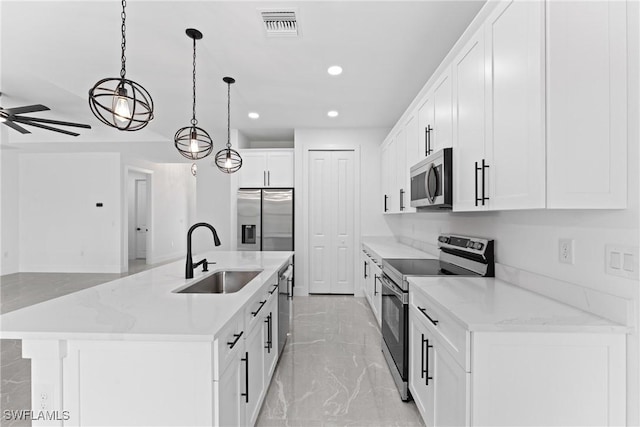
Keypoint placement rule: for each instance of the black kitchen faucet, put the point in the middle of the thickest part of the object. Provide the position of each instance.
(190, 265)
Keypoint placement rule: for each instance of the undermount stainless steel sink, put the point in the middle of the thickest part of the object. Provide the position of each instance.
(221, 282)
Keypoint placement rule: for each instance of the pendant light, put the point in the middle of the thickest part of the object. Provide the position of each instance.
(119, 102)
(192, 141)
(228, 160)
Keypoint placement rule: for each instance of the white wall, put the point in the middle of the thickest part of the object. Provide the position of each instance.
(172, 204)
(368, 142)
(9, 212)
(61, 228)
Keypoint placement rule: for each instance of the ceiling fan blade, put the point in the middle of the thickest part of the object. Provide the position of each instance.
(38, 125)
(16, 127)
(25, 120)
(25, 109)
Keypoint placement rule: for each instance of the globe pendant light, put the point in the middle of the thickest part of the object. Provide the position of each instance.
(192, 141)
(227, 159)
(119, 102)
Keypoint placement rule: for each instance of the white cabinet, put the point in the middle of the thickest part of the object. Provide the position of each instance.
(587, 104)
(388, 166)
(230, 389)
(499, 128)
(266, 168)
(371, 273)
(511, 377)
(255, 371)
(436, 117)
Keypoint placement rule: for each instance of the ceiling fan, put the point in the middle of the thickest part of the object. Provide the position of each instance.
(13, 117)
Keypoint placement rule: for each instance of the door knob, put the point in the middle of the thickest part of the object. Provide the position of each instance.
(138, 229)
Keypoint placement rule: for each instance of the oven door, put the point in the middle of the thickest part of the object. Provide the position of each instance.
(395, 323)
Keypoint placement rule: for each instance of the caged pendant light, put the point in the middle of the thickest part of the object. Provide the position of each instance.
(119, 102)
(192, 141)
(228, 160)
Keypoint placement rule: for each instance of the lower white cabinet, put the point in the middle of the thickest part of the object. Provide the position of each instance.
(247, 357)
(371, 273)
(512, 377)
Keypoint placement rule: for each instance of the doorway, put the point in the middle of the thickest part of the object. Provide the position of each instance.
(138, 215)
(331, 221)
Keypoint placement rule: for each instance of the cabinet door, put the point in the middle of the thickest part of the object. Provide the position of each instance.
(469, 124)
(253, 172)
(425, 125)
(388, 165)
(280, 166)
(421, 382)
(412, 156)
(376, 273)
(515, 141)
(587, 104)
(451, 389)
(254, 348)
(270, 339)
(401, 171)
(365, 269)
(442, 132)
(231, 403)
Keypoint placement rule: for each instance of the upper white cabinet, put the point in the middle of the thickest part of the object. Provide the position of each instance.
(389, 166)
(436, 117)
(499, 144)
(266, 168)
(534, 103)
(587, 104)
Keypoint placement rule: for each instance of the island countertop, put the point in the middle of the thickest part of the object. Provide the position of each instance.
(142, 307)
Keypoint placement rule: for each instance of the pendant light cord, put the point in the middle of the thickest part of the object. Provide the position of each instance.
(193, 119)
(123, 45)
(228, 115)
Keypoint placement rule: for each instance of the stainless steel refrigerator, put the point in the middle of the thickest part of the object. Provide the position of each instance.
(265, 219)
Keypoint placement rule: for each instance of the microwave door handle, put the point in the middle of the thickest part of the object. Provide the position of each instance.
(431, 197)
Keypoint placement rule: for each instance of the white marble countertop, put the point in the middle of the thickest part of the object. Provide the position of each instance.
(143, 306)
(389, 247)
(488, 304)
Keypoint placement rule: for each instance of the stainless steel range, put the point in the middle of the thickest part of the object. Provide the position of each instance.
(459, 256)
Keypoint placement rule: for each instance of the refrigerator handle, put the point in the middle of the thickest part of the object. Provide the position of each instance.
(264, 178)
(269, 178)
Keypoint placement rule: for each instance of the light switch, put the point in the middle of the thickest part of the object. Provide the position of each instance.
(621, 261)
(614, 260)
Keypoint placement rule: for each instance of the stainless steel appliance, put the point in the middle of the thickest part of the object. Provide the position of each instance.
(265, 219)
(285, 294)
(459, 256)
(432, 181)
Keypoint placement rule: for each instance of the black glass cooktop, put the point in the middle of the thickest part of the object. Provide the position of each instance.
(427, 267)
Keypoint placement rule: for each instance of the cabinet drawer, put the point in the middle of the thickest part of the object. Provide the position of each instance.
(256, 307)
(450, 332)
(226, 345)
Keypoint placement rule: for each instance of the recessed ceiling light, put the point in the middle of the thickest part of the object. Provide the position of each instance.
(332, 113)
(335, 70)
(254, 115)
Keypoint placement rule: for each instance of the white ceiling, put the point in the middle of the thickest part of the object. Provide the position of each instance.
(54, 51)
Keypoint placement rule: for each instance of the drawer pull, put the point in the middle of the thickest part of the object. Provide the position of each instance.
(435, 322)
(237, 337)
(274, 289)
(262, 303)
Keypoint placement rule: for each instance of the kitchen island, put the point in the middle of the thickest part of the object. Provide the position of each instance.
(134, 352)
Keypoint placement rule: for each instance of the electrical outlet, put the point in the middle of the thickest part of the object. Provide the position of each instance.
(621, 261)
(44, 393)
(565, 251)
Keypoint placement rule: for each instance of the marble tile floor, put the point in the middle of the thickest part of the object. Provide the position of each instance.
(332, 371)
(24, 289)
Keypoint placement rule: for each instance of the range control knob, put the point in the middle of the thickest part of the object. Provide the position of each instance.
(443, 239)
(478, 246)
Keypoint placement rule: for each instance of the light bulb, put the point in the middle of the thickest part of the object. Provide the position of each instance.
(121, 110)
(227, 162)
(193, 145)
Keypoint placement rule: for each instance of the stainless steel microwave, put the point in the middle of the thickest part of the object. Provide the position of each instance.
(431, 181)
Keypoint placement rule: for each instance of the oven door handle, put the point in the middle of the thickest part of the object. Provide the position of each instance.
(388, 284)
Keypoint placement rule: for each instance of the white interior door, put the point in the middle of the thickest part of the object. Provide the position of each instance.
(331, 221)
(142, 228)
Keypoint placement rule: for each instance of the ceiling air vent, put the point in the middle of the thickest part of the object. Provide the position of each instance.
(280, 23)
